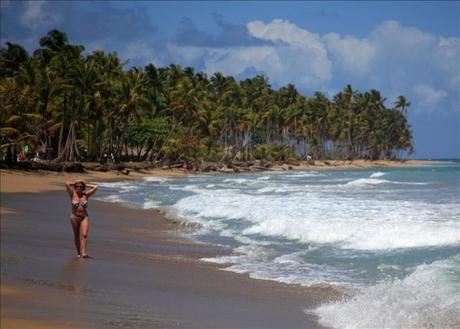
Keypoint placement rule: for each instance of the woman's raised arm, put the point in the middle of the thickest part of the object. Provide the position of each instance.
(70, 189)
(92, 189)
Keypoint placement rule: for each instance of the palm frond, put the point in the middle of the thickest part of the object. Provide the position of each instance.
(54, 128)
(4, 146)
(33, 116)
(12, 120)
(9, 131)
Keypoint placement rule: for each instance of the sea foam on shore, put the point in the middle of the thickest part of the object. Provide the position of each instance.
(427, 298)
(385, 234)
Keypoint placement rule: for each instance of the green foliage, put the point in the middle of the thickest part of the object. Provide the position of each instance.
(261, 152)
(87, 105)
(275, 152)
(147, 131)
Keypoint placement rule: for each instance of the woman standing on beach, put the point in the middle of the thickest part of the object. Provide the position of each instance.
(79, 216)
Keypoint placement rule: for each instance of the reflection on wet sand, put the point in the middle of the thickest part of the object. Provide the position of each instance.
(73, 271)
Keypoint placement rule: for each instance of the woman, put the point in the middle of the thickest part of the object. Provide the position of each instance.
(79, 215)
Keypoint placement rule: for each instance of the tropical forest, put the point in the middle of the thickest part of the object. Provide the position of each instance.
(61, 104)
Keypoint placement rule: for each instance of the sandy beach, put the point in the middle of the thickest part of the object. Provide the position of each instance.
(259, 165)
(142, 274)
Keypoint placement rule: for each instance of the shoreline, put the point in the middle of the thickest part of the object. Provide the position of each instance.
(145, 240)
(14, 180)
(143, 273)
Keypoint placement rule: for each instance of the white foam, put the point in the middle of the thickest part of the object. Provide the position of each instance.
(151, 204)
(191, 187)
(267, 189)
(377, 174)
(157, 179)
(236, 180)
(263, 178)
(301, 174)
(188, 188)
(110, 184)
(275, 218)
(294, 258)
(129, 186)
(427, 298)
(110, 198)
(282, 188)
(308, 217)
(264, 262)
(384, 267)
(366, 182)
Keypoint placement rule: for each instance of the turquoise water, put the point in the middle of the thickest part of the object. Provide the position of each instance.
(391, 236)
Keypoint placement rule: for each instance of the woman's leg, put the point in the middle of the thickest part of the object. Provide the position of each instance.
(84, 226)
(76, 234)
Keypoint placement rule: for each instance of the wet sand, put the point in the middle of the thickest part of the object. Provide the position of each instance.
(142, 274)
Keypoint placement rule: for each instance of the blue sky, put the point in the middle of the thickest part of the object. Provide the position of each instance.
(400, 48)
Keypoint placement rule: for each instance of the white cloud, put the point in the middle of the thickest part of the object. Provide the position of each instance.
(140, 51)
(350, 53)
(299, 51)
(188, 55)
(281, 64)
(391, 58)
(294, 55)
(35, 16)
(391, 37)
(280, 30)
(447, 59)
(396, 47)
(389, 45)
(429, 98)
(235, 60)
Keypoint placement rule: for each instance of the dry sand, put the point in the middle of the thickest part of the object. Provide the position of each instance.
(40, 181)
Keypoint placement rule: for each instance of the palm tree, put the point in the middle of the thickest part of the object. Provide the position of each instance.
(131, 99)
(19, 124)
(153, 82)
(11, 58)
(403, 104)
(72, 101)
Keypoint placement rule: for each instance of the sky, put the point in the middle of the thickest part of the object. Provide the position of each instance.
(405, 48)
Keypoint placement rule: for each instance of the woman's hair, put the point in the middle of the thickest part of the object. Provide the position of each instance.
(80, 181)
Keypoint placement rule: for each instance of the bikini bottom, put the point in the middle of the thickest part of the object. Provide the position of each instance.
(78, 218)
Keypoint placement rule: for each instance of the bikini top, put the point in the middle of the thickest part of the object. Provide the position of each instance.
(83, 203)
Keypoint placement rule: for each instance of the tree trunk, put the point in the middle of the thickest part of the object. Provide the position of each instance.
(70, 148)
(9, 155)
(61, 132)
(63, 154)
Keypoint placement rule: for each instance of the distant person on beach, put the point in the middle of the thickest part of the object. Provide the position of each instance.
(79, 216)
(185, 167)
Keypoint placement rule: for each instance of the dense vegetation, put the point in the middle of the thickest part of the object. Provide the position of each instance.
(82, 106)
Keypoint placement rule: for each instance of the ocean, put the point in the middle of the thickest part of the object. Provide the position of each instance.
(388, 237)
